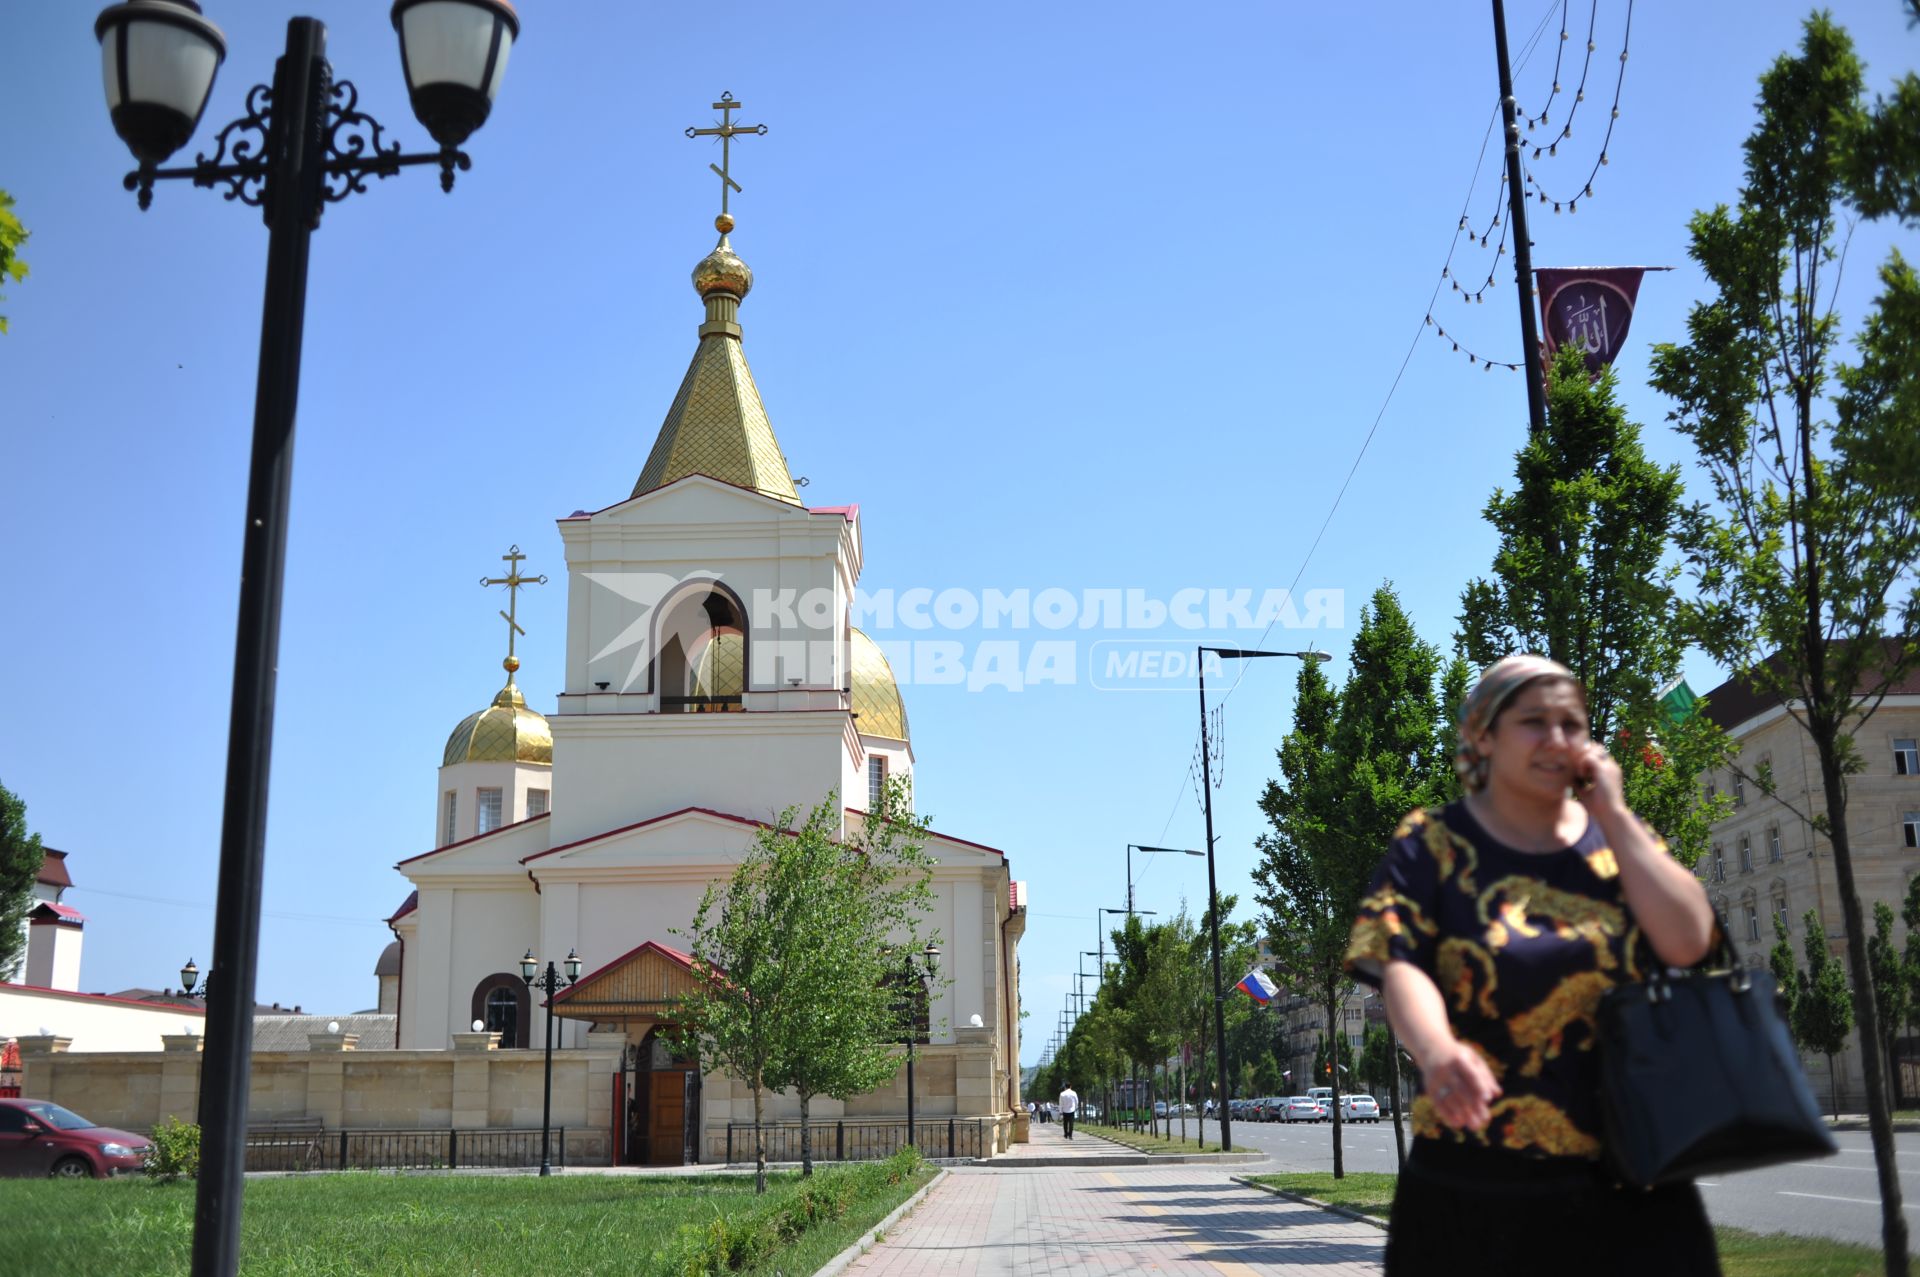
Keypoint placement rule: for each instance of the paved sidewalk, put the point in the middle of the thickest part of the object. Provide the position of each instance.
(1067, 1220)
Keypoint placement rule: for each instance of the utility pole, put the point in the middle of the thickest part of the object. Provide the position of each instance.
(1522, 246)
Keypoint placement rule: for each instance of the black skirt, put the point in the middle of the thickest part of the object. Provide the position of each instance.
(1463, 1209)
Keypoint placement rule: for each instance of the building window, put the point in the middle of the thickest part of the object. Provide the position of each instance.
(1912, 826)
(1780, 911)
(1746, 854)
(449, 807)
(1739, 790)
(1773, 844)
(537, 802)
(1906, 758)
(1753, 922)
(487, 813)
(876, 781)
(502, 1003)
(1719, 864)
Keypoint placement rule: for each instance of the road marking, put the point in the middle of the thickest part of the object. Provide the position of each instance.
(1858, 1201)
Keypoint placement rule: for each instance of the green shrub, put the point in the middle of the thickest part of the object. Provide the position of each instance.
(175, 1151)
(725, 1245)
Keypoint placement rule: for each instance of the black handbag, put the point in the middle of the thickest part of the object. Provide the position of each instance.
(1699, 1075)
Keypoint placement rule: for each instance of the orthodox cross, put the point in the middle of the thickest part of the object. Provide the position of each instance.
(726, 131)
(513, 581)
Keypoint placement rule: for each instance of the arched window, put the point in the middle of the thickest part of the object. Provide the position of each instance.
(702, 645)
(502, 1003)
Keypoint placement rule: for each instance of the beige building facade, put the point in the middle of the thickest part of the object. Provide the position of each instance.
(1767, 860)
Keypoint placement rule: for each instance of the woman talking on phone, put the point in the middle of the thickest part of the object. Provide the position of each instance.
(1492, 927)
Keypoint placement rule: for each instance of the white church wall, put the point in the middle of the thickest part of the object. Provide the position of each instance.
(466, 780)
(615, 770)
(699, 528)
(53, 955)
(492, 926)
(854, 784)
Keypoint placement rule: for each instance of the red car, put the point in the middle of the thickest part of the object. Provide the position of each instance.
(38, 1137)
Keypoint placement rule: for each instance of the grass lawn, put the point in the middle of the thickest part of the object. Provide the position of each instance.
(363, 1222)
(1151, 1143)
(1742, 1254)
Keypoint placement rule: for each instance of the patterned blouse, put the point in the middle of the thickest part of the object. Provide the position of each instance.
(1521, 945)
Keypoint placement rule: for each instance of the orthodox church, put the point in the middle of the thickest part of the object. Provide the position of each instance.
(713, 679)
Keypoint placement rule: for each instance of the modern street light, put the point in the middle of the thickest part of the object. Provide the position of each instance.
(922, 973)
(302, 145)
(1213, 892)
(1134, 846)
(548, 982)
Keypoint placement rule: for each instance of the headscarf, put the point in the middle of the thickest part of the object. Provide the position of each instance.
(1493, 693)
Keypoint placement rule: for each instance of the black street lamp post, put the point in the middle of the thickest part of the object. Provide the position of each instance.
(921, 973)
(303, 144)
(1134, 846)
(1213, 893)
(548, 982)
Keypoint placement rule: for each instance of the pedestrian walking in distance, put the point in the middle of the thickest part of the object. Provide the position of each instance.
(1493, 927)
(1069, 1105)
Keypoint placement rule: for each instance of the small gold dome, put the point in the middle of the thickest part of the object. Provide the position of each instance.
(504, 732)
(721, 271)
(876, 697)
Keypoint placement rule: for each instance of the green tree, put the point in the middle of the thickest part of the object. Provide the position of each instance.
(1823, 1005)
(20, 859)
(1351, 770)
(1456, 680)
(1376, 1058)
(1889, 988)
(1582, 575)
(12, 236)
(1786, 976)
(1804, 569)
(1910, 951)
(867, 900)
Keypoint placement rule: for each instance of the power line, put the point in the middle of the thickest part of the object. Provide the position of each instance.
(202, 904)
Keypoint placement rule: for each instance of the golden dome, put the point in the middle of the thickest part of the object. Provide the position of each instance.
(876, 697)
(504, 732)
(721, 271)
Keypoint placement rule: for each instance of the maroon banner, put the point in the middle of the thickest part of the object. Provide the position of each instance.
(1588, 307)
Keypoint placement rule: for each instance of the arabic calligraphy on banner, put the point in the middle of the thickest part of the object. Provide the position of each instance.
(1588, 307)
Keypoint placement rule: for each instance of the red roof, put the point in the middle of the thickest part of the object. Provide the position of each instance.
(849, 512)
(476, 838)
(1737, 700)
(187, 1008)
(935, 833)
(59, 915)
(676, 956)
(407, 906)
(53, 868)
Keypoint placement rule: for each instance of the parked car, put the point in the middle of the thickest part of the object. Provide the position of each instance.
(1359, 1108)
(1090, 1112)
(38, 1137)
(1159, 1108)
(1303, 1108)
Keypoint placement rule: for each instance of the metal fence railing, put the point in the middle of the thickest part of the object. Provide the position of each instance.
(858, 1141)
(400, 1150)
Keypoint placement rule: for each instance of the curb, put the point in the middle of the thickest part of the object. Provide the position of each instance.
(1359, 1217)
(1905, 1127)
(844, 1260)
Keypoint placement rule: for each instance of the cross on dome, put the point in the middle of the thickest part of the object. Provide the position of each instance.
(726, 130)
(513, 581)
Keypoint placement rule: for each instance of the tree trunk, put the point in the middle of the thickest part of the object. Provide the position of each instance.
(1893, 1220)
(1393, 1067)
(1333, 1073)
(1833, 1087)
(759, 1140)
(806, 1135)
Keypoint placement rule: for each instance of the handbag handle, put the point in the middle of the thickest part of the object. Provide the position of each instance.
(1739, 979)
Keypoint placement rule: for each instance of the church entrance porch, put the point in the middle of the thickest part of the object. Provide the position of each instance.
(658, 1100)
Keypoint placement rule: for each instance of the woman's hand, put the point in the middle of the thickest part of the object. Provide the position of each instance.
(1597, 779)
(1460, 1085)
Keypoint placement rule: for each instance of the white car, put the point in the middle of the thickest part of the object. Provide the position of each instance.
(1302, 1108)
(1159, 1108)
(1359, 1108)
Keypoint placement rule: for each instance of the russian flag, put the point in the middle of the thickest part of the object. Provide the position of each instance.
(1258, 986)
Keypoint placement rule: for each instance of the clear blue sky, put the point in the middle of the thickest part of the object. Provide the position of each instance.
(1063, 296)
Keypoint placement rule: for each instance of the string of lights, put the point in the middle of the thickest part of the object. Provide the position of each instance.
(1559, 51)
(1462, 228)
(1580, 90)
(1586, 188)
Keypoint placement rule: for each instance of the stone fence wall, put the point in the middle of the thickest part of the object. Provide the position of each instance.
(474, 1086)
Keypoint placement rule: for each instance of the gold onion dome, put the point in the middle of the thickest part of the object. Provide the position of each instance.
(504, 732)
(876, 697)
(721, 270)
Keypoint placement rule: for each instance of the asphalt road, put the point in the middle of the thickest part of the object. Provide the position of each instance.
(1834, 1197)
